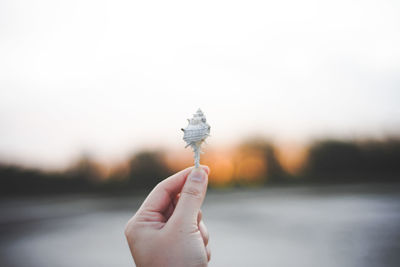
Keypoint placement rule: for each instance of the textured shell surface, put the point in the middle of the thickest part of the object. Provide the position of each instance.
(197, 130)
(195, 133)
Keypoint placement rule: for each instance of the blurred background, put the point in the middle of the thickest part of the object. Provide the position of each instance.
(303, 99)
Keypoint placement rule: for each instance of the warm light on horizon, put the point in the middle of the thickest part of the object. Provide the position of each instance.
(292, 156)
(222, 166)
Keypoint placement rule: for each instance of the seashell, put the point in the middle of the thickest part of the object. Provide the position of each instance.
(196, 133)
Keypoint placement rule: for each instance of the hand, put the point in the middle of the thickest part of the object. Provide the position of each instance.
(168, 230)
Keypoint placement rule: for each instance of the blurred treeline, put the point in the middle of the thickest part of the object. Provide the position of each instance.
(253, 163)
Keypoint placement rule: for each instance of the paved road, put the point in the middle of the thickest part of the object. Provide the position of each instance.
(296, 226)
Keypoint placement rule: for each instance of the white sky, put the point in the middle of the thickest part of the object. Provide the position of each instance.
(110, 77)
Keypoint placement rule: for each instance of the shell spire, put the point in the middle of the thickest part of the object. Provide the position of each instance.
(196, 133)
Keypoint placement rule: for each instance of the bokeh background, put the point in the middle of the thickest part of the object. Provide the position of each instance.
(303, 99)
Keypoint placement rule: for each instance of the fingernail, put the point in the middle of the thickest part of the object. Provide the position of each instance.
(197, 175)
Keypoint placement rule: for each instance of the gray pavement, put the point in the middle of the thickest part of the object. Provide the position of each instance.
(280, 226)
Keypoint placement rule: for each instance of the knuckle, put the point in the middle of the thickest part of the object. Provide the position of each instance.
(192, 192)
(158, 186)
(130, 229)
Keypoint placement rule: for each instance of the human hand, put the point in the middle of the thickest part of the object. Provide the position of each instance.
(168, 230)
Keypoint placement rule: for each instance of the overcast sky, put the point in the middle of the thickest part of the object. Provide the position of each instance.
(110, 77)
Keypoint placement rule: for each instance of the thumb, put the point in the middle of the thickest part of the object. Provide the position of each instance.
(192, 196)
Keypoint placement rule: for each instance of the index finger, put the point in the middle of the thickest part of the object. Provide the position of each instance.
(165, 192)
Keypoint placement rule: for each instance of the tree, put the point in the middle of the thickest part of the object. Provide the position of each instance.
(146, 169)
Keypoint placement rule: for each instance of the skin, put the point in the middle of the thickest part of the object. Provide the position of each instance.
(168, 229)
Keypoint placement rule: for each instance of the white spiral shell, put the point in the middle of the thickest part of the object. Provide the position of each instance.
(195, 134)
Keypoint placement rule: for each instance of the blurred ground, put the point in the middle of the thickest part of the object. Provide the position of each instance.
(289, 226)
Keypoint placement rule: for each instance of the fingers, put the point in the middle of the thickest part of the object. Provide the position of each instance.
(204, 232)
(199, 216)
(175, 201)
(192, 196)
(165, 192)
(202, 228)
(168, 212)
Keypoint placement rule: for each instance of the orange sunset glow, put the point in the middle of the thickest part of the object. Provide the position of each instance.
(240, 163)
(291, 156)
